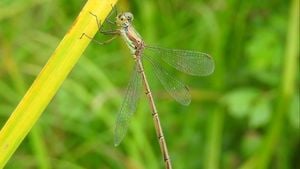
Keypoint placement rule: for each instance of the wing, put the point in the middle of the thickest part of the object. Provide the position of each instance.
(128, 107)
(190, 62)
(175, 88)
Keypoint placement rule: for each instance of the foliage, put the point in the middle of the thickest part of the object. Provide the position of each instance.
(240, 117)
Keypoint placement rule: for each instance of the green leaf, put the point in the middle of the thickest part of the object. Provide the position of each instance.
(240, 101)
(260, 114)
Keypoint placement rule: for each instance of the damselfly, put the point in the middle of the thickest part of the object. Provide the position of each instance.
(190, 62)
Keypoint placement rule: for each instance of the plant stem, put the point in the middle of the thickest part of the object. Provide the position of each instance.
(51, 77)
(287, 90)
(262, 159)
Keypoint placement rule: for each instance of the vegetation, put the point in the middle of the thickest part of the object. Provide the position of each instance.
(246, 115)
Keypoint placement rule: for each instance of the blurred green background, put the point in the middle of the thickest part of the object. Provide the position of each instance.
(245, 115)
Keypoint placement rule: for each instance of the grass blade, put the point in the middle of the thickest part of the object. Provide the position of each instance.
(51, 77)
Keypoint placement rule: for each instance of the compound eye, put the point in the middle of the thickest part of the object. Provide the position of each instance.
(121, 17)
(129, 16)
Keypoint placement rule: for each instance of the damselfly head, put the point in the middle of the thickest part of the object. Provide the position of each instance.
(124, 19)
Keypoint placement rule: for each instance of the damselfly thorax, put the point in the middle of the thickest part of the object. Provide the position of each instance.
(133, 40)
(131, 37)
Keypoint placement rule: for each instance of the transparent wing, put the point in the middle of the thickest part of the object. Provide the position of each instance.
(128, 107)
(190, 62)
(175, 88)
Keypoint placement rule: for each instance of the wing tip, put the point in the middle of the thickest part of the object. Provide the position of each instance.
(117, 142)
(185, 102)
(208, 72)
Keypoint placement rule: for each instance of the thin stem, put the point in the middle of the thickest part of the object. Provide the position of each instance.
(214, 136)
(262, 159)
(287, 90)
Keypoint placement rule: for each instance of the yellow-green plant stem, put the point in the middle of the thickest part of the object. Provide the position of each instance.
(262, 159)
(51, 77)
(288, 88)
